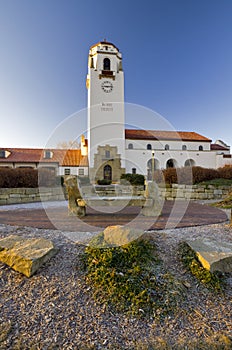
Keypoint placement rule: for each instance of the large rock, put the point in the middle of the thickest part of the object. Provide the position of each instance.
(26, 255)
(213, 255)
(120, 235)
(153, 205)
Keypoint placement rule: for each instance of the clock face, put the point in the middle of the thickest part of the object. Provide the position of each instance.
(107, 86)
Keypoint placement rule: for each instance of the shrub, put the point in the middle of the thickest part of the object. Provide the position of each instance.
(20, 177)
(27, 177)
(133, 179)
(225, 172)
(104, 182)
(204, 174)
(131, 278)
(187, 175)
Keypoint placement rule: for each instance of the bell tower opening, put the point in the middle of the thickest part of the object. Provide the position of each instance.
(106, 64)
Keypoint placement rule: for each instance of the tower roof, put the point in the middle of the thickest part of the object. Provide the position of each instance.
(104, 42)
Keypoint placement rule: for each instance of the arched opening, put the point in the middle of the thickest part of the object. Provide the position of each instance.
(148, 146)
(107, 172)
(166, 147)
(149, 168)
(200, 148)
(184, 148)
(189, 162)
(130, 146)
(171, 163)
(106, 64)
(133, 170)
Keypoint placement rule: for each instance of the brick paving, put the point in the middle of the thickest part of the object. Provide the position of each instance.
(174, 214)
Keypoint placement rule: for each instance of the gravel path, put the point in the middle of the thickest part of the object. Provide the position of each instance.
(55, 309)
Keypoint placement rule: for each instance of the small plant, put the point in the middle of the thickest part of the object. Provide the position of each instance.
(129, 278)
(190, 260)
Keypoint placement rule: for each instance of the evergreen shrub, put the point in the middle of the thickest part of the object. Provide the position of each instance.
(133, 179)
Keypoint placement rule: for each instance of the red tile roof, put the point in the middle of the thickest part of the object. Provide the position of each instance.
(35, 155)
(133, 134)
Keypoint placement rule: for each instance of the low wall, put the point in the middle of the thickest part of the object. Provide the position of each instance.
(194, 192)
(182, 192)
(28, 195)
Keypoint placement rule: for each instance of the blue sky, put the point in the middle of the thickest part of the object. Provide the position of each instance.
(177, 59)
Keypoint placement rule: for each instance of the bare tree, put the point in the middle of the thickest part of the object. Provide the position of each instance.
(68, 145)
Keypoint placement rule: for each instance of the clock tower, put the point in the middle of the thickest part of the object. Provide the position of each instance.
(106, 124)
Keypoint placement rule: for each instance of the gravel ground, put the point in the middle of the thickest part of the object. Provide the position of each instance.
(55, 306)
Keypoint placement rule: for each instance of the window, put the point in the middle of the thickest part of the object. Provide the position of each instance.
(2, 154)
(149, 146)
(200, 148)
(166, 147)
(66, 171)
(130, 146)
(133, 170)
(48, 154)
(81, 172)
(106, 64)
(107, 154)
(184, 148)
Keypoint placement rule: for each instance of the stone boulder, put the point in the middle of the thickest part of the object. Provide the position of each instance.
(120, 235)
(153, 205)
(76, 205)
(25, 255)
(213, 255)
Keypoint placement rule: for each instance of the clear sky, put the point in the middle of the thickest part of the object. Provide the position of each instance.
(177, 59)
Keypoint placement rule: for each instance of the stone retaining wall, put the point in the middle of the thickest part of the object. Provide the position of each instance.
(182, 192)
(28, 195)
(194, 192)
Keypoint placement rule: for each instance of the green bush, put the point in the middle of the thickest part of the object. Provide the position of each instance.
(130, 278)
(133, 179)
(104, 182)
(190, 260)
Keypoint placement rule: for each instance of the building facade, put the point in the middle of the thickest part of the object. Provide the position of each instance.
(111, 150)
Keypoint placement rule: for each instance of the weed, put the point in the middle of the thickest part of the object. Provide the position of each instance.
(129, 278)
(190, 260)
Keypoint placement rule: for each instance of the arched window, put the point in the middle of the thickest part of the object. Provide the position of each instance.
(166, 147)
(200, 148)
(133, 170)
(184, 148)
(106, 64)
(130, 146)
(148, 146)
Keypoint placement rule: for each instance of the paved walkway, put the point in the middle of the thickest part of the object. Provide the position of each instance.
(54, 215)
